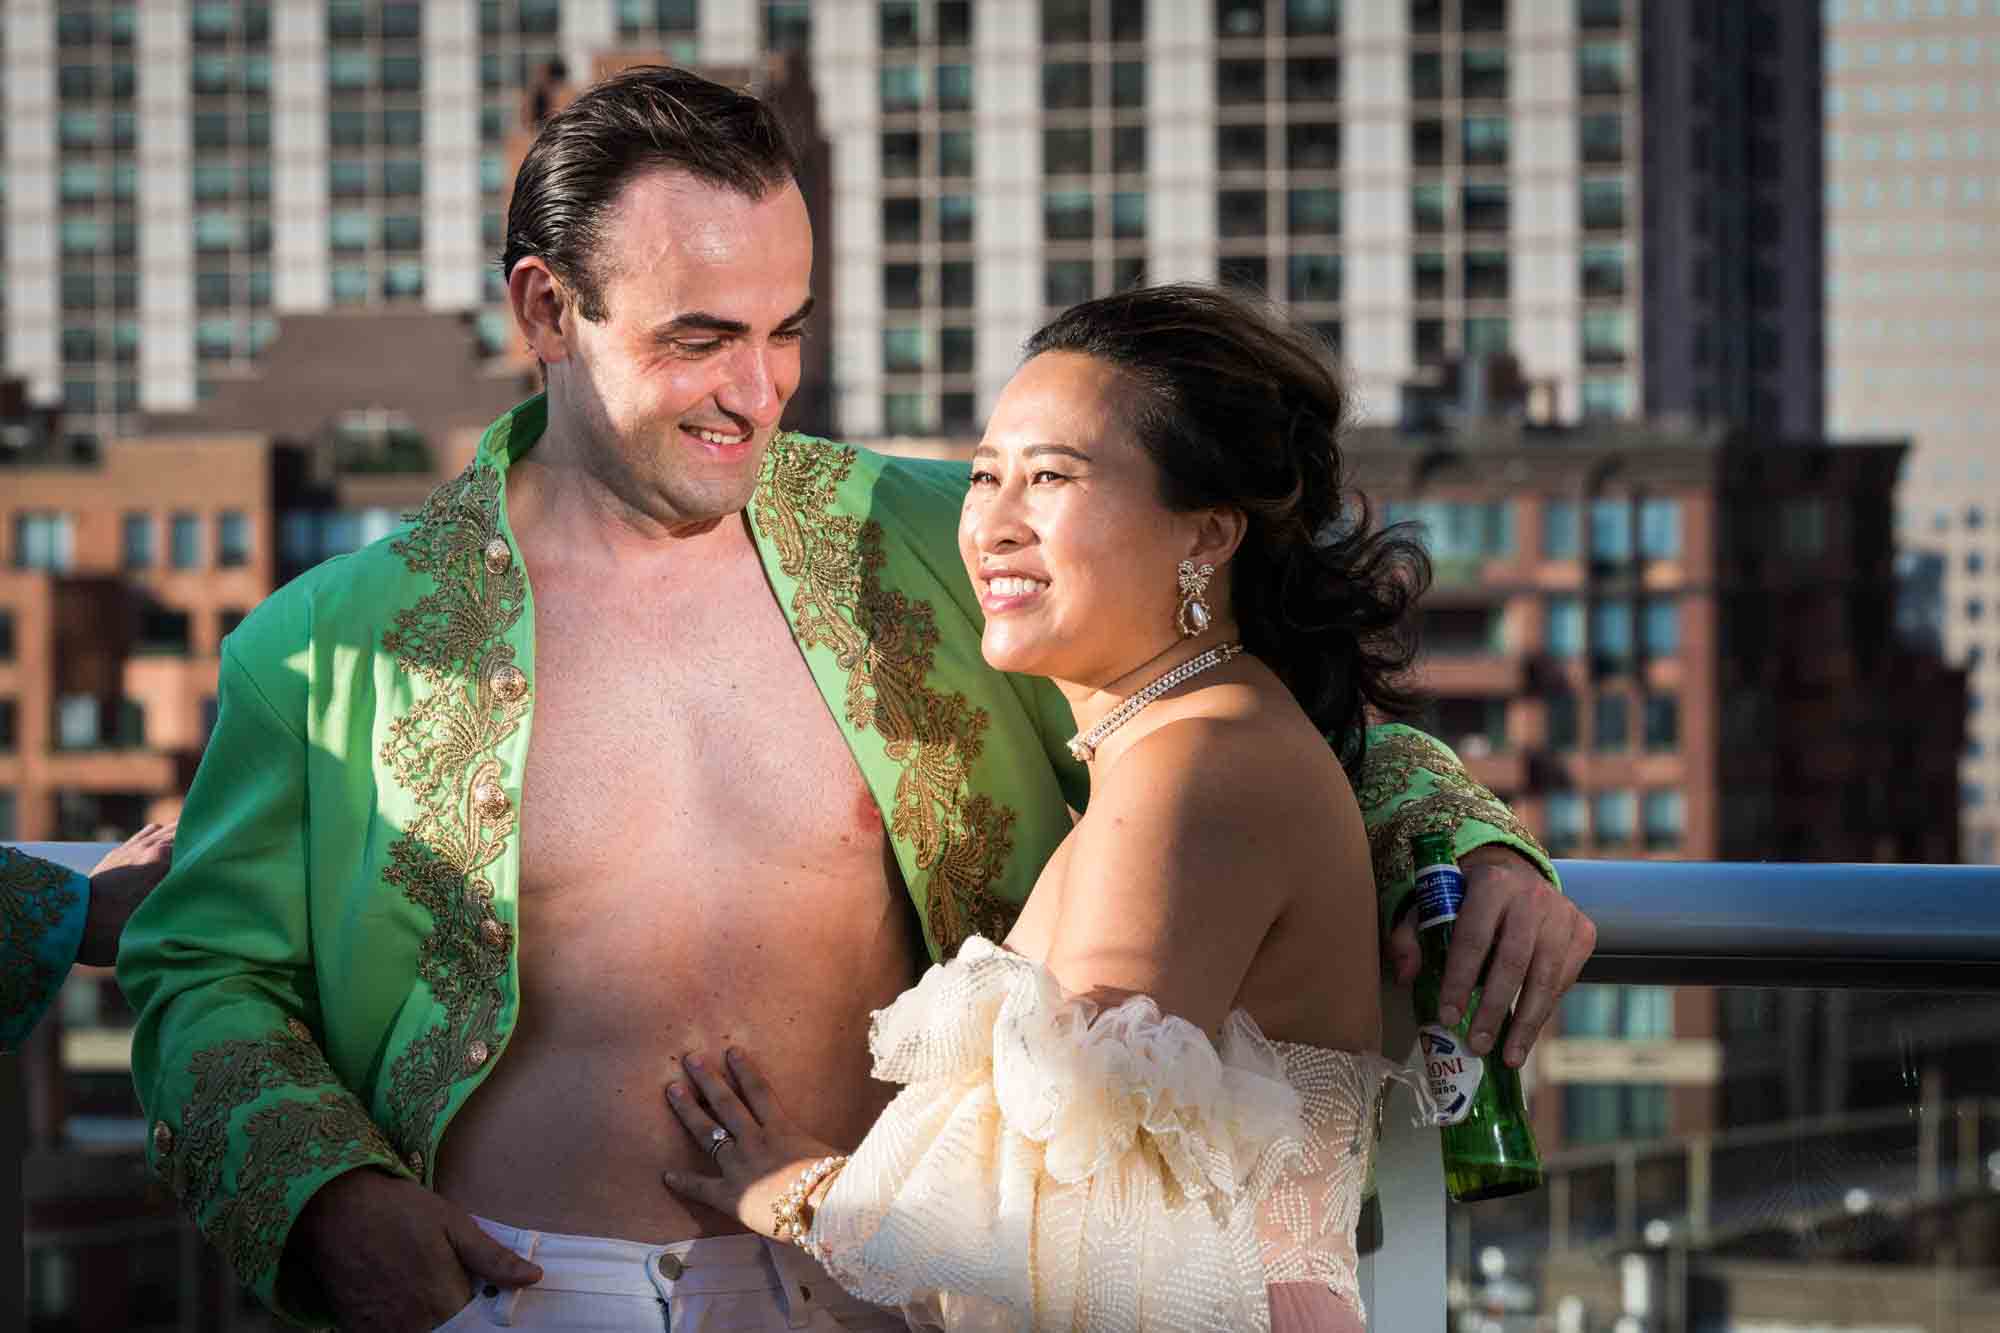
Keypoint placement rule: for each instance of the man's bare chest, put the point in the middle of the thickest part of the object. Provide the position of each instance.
(683, 728)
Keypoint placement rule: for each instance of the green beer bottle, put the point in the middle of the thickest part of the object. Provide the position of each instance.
(1489, 1148)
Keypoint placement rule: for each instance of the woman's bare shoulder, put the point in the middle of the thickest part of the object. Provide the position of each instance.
(1246, 788)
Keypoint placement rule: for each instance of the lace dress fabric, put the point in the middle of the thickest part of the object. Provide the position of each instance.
(1054, 1165)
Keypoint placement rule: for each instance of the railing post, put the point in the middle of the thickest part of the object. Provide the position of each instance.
(1929, 1122)
(1625, 1192)
(1700, 1159)
(1968, 1182)
(1558, 1211)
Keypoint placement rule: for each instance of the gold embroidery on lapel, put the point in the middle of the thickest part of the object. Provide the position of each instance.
(886, 642)
(283, 1141)
(443, 751)
(1388, 770)
(34, 897)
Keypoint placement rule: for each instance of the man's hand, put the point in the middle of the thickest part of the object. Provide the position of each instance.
(118, 884)
(1529, 930)
(392, 1256)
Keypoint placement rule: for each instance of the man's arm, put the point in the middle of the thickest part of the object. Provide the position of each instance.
(248, 1120)
(42, 912)
(1515, 926)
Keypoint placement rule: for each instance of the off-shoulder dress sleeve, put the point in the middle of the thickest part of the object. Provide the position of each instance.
(1051, 1164)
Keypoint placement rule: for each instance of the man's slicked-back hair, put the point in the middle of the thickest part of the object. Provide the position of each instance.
(641, 119)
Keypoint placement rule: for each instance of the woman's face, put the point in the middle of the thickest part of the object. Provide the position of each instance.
(1069, 548)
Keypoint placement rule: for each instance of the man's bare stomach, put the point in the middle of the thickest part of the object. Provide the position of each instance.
(571, 1130)
(573, 1140)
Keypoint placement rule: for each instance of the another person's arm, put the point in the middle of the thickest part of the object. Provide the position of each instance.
(51, 917)
(43, 907)
(1537, 941)
(248, 1120)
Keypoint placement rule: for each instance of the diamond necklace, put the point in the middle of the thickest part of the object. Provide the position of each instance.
(1084, 744)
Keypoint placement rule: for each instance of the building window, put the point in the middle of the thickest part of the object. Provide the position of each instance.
(8, 827)
(1314, 212)
(1601, 138)
(1240, 212)
(1484, 207)
(233, 538)
(1620, 1013)
(7, 732)
(1610, 532)
(78, 722)
(1606, 398)
(1564, 822)
(1067, 281)
(1614, 1112)
(1665, 820)
(1611, 725)
(1427, 275)
(1802, 527)
(1564, 632)
(1483, 141)
(1607, 337)
(1601, 204)
(1660, 626)
(1615, 817)
(1314, 277)
(1601, 69)
(1560, 529)
(906, 413)
(1560, 725)
(1482, 73)
(6, 634)
(1068, 215)
(43, 541)
(1660, 529)
(1603, 271)
(138, 541)
(1663, 723)
(184, 541)
(1427, 207)
(1486, 275)
(1611, 634)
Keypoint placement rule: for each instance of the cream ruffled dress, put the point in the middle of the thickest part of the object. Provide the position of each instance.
(1051, 1165)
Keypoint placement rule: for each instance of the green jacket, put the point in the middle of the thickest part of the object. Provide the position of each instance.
(329, 970)
(42, 910)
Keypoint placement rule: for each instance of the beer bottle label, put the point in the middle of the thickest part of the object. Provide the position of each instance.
(1440, 889)
(1452, 1072)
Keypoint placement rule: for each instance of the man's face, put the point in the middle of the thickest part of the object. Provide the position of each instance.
(678, 390)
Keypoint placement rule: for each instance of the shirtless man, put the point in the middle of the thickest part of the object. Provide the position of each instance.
(700, 860)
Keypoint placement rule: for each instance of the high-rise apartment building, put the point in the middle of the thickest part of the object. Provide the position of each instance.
(1913, 281)
(1623, 193)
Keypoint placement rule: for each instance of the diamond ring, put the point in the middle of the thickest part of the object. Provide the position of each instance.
(716, 1138)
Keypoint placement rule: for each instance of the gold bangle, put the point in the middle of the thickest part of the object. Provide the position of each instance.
(789, 1219)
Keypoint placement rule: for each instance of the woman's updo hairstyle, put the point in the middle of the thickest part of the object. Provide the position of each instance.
(1240, 406)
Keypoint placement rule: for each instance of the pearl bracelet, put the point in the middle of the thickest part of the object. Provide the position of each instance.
(787, 1209)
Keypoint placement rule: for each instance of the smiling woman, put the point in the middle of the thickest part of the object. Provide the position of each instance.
(1152, 1106)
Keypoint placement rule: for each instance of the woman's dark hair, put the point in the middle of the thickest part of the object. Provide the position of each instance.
(645, 117)
(1240, 406)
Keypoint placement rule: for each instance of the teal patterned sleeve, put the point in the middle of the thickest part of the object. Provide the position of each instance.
(1411, 783)
(42, 908)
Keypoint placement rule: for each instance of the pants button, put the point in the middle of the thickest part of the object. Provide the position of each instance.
(671, 1267)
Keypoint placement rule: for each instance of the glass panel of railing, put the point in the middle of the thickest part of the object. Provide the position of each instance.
(1748, 1159)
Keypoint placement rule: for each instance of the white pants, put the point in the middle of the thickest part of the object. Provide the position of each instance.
(717, 1284)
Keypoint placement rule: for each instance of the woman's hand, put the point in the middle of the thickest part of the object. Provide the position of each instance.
(764, 1153)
